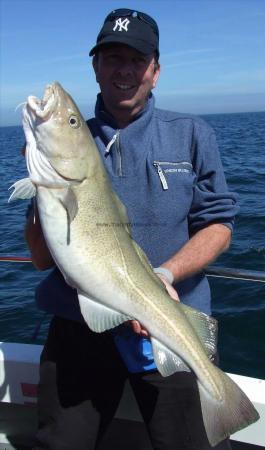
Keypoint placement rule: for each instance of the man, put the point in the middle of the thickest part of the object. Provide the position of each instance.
(166, 169)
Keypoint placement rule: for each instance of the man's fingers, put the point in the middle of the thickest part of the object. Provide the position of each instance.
(137, 327)
(171, 291)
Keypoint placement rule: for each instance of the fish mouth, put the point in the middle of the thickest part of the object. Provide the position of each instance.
(43, 108)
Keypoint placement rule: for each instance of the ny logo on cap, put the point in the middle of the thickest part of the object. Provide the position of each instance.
(122, 24)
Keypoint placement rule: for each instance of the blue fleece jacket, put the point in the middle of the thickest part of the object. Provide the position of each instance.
(166, 169)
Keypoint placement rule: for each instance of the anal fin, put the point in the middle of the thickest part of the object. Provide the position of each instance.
(99, 317)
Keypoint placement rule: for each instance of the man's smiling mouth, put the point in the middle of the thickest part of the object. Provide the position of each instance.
(124, 86)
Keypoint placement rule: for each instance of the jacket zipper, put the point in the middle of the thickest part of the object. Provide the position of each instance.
(118, 153)
(111, 142)
(161, 175)
(161, 163)
(116, 140)
(161, 172)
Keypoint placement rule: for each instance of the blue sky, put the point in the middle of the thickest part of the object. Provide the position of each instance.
(212, 52)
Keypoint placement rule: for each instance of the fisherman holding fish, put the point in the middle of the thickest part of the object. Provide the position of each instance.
(152, 187)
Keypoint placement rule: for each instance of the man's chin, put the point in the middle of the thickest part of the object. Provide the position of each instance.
(125, 98)
(125, 104)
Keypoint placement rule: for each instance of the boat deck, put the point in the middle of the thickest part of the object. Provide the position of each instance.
(129, 435)
(123, 434)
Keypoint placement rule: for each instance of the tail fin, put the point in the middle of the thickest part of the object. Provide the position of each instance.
(234, 412)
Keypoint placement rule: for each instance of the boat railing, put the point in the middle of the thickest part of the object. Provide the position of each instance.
(210, 271)
(235, 274)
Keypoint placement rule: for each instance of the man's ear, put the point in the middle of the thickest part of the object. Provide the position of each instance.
(156, 75)
(95, 65)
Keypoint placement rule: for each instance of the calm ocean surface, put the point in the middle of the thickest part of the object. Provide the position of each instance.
(238, 305)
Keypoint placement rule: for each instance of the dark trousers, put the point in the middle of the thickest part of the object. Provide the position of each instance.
(81, 383)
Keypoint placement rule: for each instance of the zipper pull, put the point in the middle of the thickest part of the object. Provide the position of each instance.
(161, 176)
(111, 142)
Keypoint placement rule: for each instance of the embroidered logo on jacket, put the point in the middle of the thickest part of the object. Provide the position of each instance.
(122, 24)
(178, 170)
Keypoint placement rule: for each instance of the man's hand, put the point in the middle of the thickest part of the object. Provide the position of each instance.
(40, 254)
(137, 328)
(171, 291)
(135, 325)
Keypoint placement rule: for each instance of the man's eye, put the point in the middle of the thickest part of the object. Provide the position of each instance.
(140, 61)
(113, 58)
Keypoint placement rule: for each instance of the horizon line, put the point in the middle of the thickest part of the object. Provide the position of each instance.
(196, 114)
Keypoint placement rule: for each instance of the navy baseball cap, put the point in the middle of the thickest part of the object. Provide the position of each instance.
(129, 27)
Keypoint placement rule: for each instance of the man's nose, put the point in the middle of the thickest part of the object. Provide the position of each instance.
(126, 68)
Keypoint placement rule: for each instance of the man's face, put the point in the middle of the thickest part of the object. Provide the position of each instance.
(126, 78)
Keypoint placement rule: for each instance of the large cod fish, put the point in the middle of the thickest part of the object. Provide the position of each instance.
(113, 277)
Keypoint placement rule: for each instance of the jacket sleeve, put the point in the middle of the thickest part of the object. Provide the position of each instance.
(212, 201)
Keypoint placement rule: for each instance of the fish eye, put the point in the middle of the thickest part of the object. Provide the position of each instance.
(74, 121)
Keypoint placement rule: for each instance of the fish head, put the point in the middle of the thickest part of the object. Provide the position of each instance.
(58, 137)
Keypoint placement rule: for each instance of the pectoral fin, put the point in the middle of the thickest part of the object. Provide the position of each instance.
(69, 202)
(99, 317)
(166, 361)
(23, 189)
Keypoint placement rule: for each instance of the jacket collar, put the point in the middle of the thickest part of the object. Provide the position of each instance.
(133, 141)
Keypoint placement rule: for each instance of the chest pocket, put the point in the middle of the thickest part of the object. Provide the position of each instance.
(167, 170)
